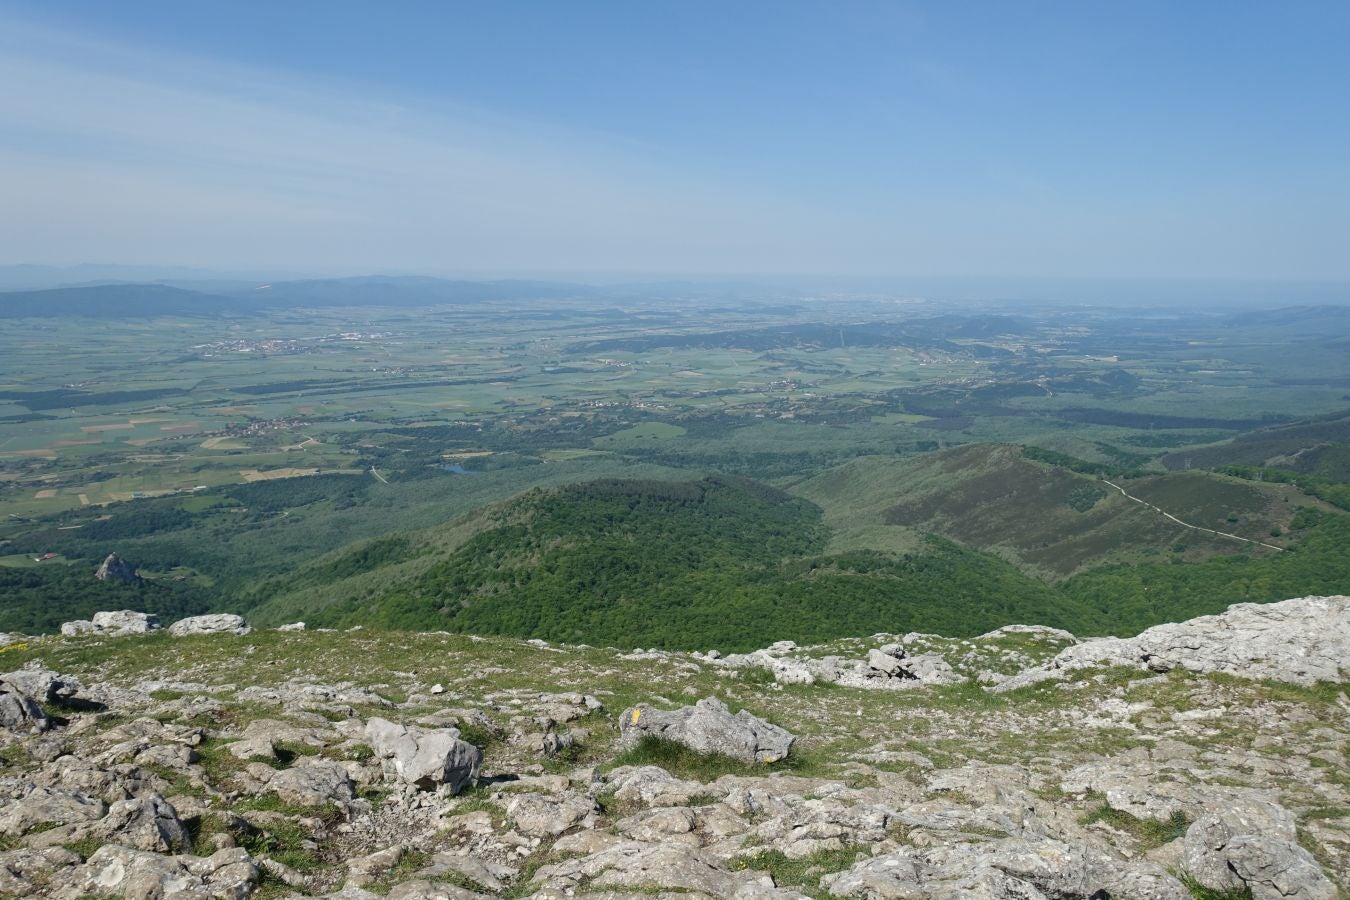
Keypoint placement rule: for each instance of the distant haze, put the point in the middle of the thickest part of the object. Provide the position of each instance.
(627, 141)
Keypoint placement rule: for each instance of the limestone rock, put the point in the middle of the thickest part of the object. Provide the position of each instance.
(115, 871)
(429, 759)
(47, 806)
(894, 662)
(313, 782)
(1034, 869)
(539, 815)
(148, 822)
(222, 623)
(117, 623)
(114, 568)
(650, 786)
(294, 626)
(1301, 641)
(636, 865)
(19, 713)
(1251, 843)
(22, 871)
(490, 875)
(709, 727)
(43, 685)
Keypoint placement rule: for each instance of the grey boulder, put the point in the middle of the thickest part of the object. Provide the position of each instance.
(222, 623)
(893, 661)
(46, 807)
(43, 685)
(1300, 641)
(113, 624)
(19, 713)
(430, 759)
(709, 727)
(148, 822)
(1251, 844)
(115, 871)
(313, 781)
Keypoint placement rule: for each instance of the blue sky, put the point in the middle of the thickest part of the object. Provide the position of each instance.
(1199, 139)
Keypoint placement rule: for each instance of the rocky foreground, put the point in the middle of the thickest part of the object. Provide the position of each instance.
(1206, 759)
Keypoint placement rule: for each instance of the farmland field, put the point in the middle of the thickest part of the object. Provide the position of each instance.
(220, 452)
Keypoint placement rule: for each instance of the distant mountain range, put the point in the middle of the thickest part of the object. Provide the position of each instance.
(226, 298)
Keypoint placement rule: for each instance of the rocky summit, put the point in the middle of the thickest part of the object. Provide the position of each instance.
(1205, 759)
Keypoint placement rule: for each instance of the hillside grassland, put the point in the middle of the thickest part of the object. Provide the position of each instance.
(942, 470)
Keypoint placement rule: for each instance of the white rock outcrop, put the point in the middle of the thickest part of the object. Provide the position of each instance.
(1301, 641)
(709, 727)
(113, 624)
(221, 623)
(430, 759)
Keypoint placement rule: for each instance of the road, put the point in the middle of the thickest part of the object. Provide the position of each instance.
(1188, 524)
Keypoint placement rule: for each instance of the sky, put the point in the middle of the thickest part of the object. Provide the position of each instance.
(1141, 139)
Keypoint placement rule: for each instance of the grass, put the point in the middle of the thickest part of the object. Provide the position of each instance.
(529, 867)
(285, 842)
(684, 762)
(803, 873)
(408, 865)
(1200, 892)
(1150, 833)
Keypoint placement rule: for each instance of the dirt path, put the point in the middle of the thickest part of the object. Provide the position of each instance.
(1168, 515)
(377, 474)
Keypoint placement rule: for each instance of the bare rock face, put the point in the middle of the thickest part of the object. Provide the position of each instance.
(147, 822)
(19, 712)
(113, 624)
(709, 727)
(431, 759)
(222, 623)
(313, 781)
(1252, 845)
(115, 568)
(43, 807)
(23, 871)
(42, 685)
(889, 667)
(1012, 867)
(893, 662)
(115, 871)
(1301, 641)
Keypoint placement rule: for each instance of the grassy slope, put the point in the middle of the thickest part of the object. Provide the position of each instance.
(1049, 521)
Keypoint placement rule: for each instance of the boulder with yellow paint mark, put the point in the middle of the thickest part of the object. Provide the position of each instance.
(709, 727)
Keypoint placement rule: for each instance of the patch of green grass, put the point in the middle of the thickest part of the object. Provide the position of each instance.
(329, 813)
(285, 842)
(803, 873)
(84, 848)
(13, 755)
(1200, 892)
(544, 856)
(476, 799)
(355, 753)
(408, 864)
(1327, 812)
(1150, 833)
(684, 762)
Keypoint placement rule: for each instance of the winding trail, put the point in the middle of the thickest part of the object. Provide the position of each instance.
(377, 474)
(1168, 515)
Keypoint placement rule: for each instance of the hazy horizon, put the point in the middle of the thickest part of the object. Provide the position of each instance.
(784, 140)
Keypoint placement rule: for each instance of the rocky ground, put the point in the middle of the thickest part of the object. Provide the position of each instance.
(1203, 760)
